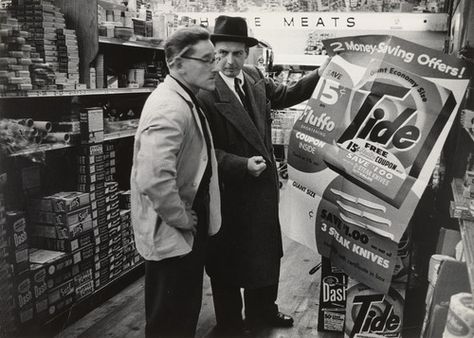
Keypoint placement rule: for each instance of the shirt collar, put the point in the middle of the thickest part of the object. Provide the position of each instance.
(230, 80)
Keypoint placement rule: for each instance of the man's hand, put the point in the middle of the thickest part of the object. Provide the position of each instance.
(323, 66)
(192, 223)
(256, 165)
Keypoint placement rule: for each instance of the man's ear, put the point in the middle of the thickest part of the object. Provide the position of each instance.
(176, 64)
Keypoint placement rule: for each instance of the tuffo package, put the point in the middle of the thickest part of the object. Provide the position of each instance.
(332, 298)
(370, 313)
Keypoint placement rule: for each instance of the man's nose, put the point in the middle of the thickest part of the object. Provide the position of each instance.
(230, 58)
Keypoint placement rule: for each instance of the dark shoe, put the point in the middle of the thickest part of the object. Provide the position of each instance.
(280, 320)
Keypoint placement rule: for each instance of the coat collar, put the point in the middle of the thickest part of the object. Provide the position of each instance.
(230, 107)
(171, 84)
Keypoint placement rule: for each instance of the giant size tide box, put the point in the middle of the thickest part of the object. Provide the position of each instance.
(370, 313)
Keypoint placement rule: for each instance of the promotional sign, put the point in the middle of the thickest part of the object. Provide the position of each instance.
(366, 145)
(305, 31)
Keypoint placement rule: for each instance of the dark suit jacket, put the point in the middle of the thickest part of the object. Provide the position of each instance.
(247, 250)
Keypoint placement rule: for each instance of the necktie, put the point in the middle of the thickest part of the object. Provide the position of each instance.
(241, 94)
(243, 98)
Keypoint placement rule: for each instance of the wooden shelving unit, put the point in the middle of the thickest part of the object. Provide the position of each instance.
(462, 211)
(128, 43)
(79, 92)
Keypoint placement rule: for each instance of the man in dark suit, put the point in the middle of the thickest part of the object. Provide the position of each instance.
(246, 252)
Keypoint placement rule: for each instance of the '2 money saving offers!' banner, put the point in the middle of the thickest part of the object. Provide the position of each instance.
(362, 152)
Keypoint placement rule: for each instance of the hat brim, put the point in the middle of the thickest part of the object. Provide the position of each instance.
(250, 42)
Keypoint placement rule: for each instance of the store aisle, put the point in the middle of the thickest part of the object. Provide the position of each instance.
(123, 315)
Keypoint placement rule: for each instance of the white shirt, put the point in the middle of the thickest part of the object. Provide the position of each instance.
(229, 81)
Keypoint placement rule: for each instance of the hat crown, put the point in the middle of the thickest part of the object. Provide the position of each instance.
(227, 25)
(232, 28)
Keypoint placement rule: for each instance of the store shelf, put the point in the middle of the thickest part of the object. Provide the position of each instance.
(79, 92)
(41, 148)
(460, 205)
(467, 235)
(56, 146)
(120, 134)
(137, 44)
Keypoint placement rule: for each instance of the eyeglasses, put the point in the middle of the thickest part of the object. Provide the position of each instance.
(209, 62)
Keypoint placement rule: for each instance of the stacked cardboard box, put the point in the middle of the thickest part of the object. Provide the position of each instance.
(109, 162)
(15, 56)
(7, 322)
(332, 297)
(68, 58)
(61, 229)
(52, 282)
(17, 241)
(41, 19)
(92, 125)
(124, 200)
(128, 240)
(108, 256)
(19, 303)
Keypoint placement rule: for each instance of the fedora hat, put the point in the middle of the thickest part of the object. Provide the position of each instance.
(232, 28)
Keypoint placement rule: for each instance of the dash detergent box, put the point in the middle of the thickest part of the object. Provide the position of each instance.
(332, 298)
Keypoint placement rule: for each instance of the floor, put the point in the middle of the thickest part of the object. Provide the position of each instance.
(123, 315)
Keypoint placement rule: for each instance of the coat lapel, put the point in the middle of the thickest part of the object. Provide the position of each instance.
(257, 100)
(230, 107)
(173, 85)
